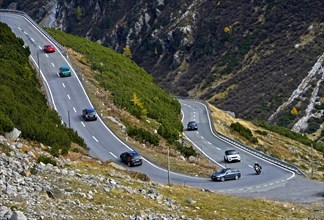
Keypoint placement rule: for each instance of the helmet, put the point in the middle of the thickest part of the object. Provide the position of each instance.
(256, 163)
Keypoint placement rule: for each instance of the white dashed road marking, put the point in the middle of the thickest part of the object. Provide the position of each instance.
(40, 48)
(53, 65)
(69, 96)
(218, 148)
(19, 28)
(95, 138)
(32, 39)
(63, 85)
(25, 33)
(82, 124)
(46, 55)
(74, 110)
(58, 74)
(209, 143)
(113, 155)
(202, 137)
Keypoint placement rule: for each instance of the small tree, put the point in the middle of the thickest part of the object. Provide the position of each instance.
(78, 13)
(294, 111)
(128, 52)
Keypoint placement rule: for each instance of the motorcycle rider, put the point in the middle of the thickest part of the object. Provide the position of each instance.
(257, 166)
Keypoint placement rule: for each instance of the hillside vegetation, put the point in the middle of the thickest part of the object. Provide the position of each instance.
(23, 105)
(130, 86)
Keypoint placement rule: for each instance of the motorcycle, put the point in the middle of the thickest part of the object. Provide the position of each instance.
(257, 170)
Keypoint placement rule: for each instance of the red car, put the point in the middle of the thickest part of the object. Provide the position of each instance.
(49, 48)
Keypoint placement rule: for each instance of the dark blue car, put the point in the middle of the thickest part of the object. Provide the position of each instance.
(89, 114)
(131, 158)
(226, 174)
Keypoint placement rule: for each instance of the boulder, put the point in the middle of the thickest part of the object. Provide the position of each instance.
(13, 135)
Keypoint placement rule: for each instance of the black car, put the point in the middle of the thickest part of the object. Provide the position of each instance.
(192, 125)
(131, 158)
(89, 114)
(226, 174)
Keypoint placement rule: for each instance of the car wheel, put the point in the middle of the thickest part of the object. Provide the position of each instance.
(222, 179)
(129, 164)
(236, 177)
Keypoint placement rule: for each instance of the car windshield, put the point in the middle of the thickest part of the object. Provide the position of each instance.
(136, 157)
(92, 113)
(223, 171)
(65, 69)
(231, 152)
(192, 123)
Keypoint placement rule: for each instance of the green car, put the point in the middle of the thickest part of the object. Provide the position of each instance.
(64, 71)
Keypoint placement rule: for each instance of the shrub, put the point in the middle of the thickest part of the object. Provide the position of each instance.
(264, 133)
(143, 135)
(243, 131)
(44, 159)
(185, 151)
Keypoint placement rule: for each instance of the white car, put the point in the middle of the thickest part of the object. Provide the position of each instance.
(232, 155)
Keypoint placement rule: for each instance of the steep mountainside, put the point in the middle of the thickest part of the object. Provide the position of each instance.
(246, 57)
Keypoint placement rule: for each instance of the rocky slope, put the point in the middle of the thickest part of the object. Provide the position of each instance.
(35, 185)
(245, 57)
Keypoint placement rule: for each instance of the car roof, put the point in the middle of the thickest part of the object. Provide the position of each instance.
(133, 153)
(90, 109)
(230, 151)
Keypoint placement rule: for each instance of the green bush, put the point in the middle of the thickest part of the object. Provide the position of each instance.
(243, 131)
(143, 135)
(46, 160)
(264, 133)
(6, 125)
(186, 151)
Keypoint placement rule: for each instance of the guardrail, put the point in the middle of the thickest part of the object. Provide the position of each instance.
(246, 148)
(57, 44)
